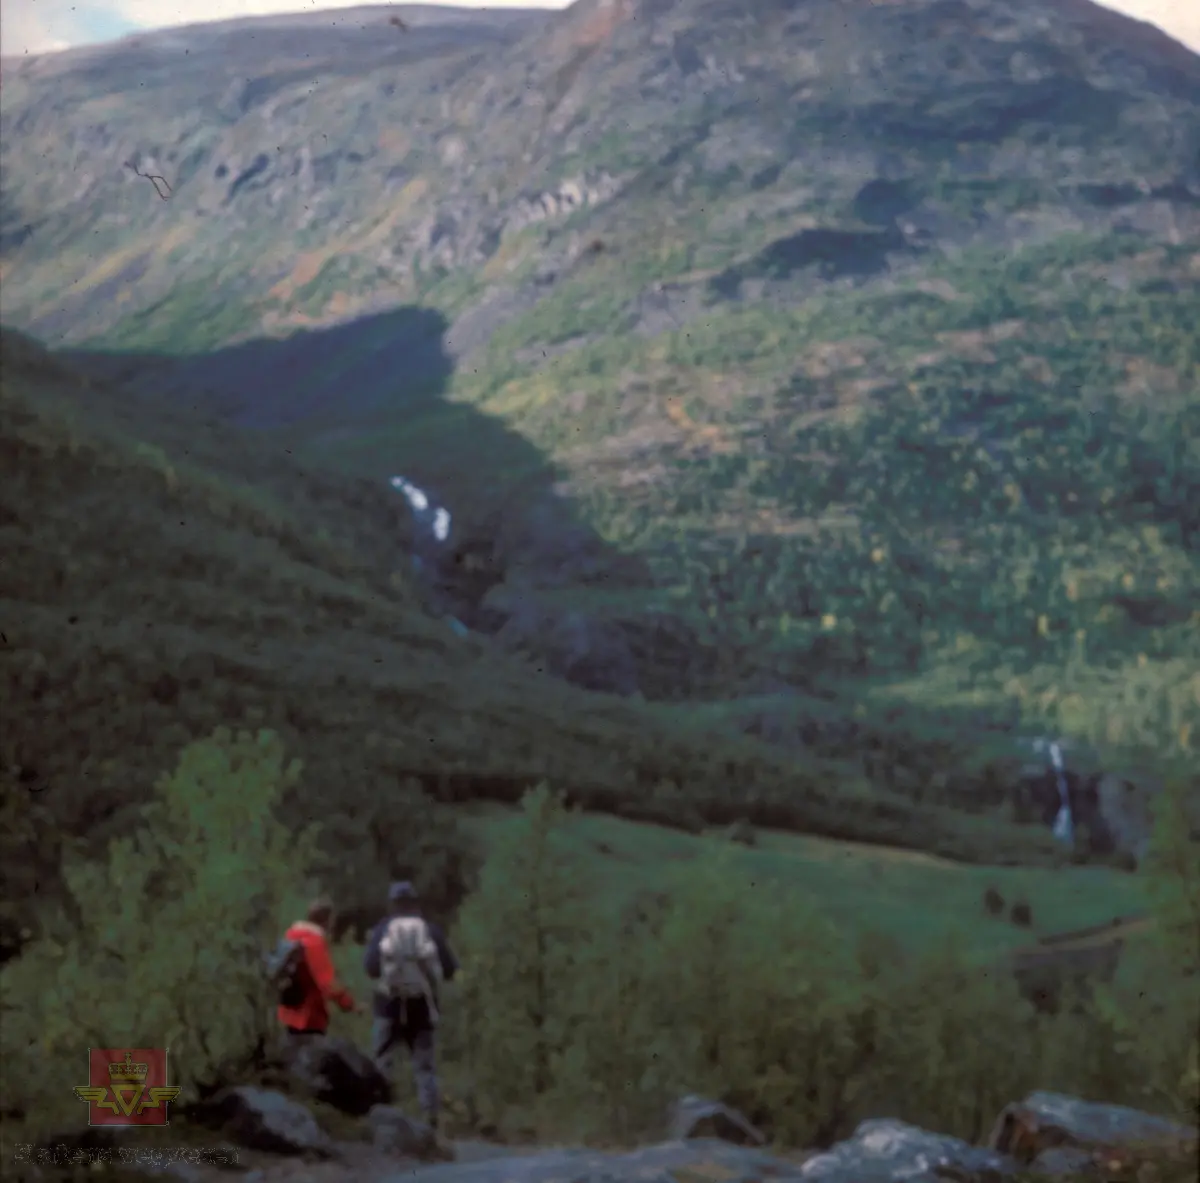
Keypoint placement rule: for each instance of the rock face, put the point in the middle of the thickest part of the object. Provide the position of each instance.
(605, 649)
(579, 648)
(1111, 814)
(485, 138)
(1126, 810)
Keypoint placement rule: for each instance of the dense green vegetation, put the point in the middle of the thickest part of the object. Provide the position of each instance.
(955, 504)
(877, 408)
(162, 933)
(156, 590)
(577, 1018)
(756, 993)
(984, 491)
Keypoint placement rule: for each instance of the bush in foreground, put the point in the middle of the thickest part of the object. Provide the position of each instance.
(573, 1019)
(162, 944)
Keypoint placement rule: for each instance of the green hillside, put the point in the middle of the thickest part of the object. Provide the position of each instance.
(976, 488)
(889, 390)
(148, 598)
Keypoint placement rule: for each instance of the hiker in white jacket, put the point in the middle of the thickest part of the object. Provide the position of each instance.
(409, 959)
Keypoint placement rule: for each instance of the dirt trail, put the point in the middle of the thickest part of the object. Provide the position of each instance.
(486, 1162)
(363, 1163)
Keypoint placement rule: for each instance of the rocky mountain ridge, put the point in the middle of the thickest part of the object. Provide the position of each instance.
(378, 156)
(734, 278)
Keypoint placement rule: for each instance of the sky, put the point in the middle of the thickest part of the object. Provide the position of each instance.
(41, 26)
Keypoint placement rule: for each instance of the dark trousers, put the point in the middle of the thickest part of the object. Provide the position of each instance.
(408, 1023)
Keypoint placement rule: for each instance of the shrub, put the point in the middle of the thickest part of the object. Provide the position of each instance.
(954, 1044)
(742, 832)
(165, 945)
(993, 902)
(1173, 867)
(755, 998)
(585, 1020)
(1021, 914)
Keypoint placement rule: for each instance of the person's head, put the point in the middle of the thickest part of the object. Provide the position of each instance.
(403, 899)
(320, 912)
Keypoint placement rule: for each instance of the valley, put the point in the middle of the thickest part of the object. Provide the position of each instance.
(760, 430)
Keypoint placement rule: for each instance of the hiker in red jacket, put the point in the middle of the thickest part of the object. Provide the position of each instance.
(318, 977)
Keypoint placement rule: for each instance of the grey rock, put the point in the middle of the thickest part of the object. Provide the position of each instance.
(1066, 1162)
(270, 1121)
(887, 1151)
(394, 1132)
(584, 650)
(698, 1117)
(335, 1071)
(1045, 1121)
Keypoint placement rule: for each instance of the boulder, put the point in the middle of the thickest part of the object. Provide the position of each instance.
(697, 1117)
(394, 1132)
(335, 1071)
(1066, 1162)
(263, 1120)
(886, 1151)
(1043, 1122)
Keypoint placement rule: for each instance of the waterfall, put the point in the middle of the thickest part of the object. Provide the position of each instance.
(436, 519)
(1064, 827)
(433, 518)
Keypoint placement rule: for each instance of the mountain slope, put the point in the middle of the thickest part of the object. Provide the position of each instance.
(146, 599)
(390, 157)
(869, 327)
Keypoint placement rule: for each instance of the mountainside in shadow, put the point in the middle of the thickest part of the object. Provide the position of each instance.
(162, 578)
(867, 329)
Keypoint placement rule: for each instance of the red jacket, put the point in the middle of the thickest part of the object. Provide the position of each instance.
(320, 982)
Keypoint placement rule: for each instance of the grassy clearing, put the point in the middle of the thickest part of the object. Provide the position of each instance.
(915, 897)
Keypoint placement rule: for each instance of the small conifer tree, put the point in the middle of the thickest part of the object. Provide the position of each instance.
(519, 935)
(1151, 1021)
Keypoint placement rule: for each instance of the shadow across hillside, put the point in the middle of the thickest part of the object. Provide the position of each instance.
(369, 398)
(337, 375)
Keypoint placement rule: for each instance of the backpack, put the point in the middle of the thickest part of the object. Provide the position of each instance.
(408, 959)
(286, 967)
